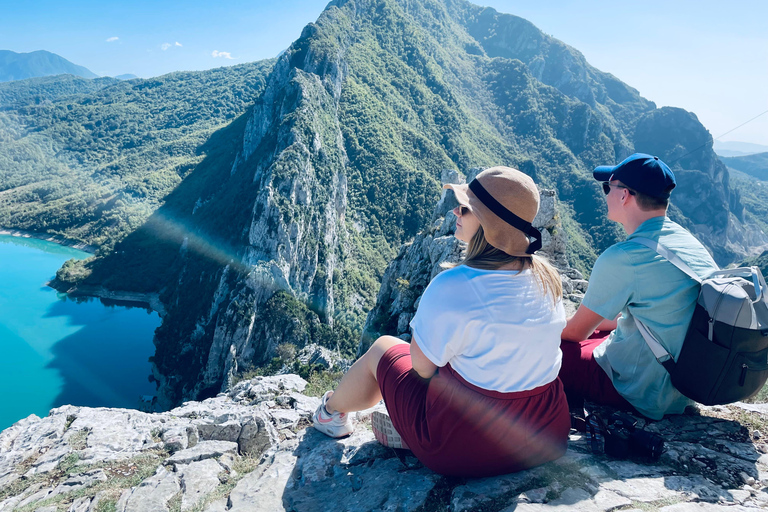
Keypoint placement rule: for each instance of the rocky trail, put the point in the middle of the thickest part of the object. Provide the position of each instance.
(250, 449)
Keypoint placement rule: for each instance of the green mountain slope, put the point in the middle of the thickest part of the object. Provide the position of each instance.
(34, 91)
(18, 66)
(754, 165)
(91, 160)
(753, 194)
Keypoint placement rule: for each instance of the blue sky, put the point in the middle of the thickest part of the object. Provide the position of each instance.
(709, 57)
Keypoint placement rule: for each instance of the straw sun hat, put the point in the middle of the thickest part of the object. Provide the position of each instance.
(505, 201)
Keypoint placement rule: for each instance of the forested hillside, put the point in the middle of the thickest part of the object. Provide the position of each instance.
(92, 159)
(34, 91)
(753, 193)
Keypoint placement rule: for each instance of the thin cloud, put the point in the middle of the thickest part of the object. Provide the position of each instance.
(166, 46)
(112, 39)
(225, 55)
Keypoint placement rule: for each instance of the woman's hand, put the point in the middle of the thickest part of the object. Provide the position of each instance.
(423, 366)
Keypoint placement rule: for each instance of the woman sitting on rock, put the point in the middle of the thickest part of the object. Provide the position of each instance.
(476, 392)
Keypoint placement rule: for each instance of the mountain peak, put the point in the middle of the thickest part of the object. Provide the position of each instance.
(18, 66)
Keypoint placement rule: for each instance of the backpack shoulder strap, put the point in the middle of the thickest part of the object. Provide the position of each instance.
(667, 255)
(660, 353)
(664, 358)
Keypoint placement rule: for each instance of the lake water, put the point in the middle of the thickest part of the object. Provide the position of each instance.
(59, 351)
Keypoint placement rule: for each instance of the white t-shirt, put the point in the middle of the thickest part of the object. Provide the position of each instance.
(496, 328)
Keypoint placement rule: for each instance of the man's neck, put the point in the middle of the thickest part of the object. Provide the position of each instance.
(632, 223)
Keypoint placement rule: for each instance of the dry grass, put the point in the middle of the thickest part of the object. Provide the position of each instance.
(122, 475)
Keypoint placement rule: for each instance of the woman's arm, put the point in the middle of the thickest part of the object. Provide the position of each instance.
(423, 366)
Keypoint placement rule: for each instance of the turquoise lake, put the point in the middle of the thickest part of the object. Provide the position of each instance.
(56, 350)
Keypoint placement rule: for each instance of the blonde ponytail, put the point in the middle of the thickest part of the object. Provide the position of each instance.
(480, 254)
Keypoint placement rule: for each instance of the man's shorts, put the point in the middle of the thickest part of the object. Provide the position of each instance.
(583, 378)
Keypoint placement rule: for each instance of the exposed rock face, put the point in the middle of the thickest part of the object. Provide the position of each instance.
(420, 261)
(250, 450)
(292, 160)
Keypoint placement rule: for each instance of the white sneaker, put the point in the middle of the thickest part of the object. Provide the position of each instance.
(338, 424)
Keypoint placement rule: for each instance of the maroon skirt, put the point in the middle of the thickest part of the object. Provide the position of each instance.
(458, 429)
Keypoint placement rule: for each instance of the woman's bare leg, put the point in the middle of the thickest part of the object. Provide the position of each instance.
(358, 388)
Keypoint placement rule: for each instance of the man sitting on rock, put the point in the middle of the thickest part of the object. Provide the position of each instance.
(619, 369)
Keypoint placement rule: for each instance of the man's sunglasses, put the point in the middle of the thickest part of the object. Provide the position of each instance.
(607, 188)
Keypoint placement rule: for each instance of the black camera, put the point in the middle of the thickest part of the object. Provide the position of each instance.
(619, 437)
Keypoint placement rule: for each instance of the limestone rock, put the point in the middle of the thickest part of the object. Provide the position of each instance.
(271, 462)
(197, 480)
(152, 494)
(203, 450)
(314, 354)
(80, 505)
(264, 388)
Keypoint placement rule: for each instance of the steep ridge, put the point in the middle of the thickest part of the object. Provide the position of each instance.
(704, 199)
(339, 161)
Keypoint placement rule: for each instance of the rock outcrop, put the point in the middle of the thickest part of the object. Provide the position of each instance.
(251, 450)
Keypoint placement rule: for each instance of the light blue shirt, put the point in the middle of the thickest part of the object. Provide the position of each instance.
(633, 280)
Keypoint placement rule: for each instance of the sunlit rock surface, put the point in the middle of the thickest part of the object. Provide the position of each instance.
(250, 449)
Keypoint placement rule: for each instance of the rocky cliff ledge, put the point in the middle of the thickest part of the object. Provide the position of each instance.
(250, 449)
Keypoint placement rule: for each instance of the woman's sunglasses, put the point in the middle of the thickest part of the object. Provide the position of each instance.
(463, 210)
(607, 188)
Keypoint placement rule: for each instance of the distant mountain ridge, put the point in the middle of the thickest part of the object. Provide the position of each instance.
(755, 165)
(735, 148)
(18, 66)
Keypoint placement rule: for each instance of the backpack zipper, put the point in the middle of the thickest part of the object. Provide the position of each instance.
(745, 367)
(714, 313)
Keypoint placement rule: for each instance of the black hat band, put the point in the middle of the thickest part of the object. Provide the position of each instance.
(507, 216)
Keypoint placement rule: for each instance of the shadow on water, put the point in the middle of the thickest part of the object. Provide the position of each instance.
(106, 362)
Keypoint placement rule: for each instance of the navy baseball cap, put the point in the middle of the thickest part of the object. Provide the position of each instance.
(644, 173)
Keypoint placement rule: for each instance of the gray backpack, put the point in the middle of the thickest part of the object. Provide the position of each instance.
(724, 357)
